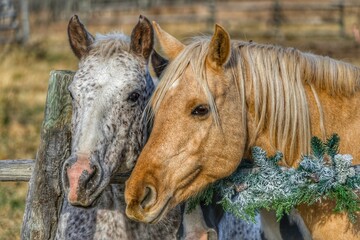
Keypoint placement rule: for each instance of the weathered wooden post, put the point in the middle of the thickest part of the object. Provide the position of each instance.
(277, 19)
(45, 195)
(212, 15)
(341, 18)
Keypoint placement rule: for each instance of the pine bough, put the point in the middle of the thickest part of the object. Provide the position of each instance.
(323, 175)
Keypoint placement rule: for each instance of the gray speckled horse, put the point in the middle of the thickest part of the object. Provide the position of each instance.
(110, 90)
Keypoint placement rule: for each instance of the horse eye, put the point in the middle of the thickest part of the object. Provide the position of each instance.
(134, 96)
(200, 110)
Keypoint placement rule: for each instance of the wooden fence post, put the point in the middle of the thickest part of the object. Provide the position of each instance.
(212, 15)
(277, 18)
(341, 18)
(25, 25)
(44, 198)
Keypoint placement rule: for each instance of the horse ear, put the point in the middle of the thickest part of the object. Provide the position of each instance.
(158, 63)
(80, 39)
(219, 48)
(142, 38)
(169, 44)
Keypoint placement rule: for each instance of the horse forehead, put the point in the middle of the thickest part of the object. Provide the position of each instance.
(185, 82)
(122, 65)
(110, 75)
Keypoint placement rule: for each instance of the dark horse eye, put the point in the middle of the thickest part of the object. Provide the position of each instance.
(134, 96)
(200, 110)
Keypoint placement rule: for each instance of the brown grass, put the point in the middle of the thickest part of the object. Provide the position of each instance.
(12, 198)
(24, 72)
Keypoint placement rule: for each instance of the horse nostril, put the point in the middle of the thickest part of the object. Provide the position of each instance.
(93, 170)
(91, 176)
(149, 197)
(65, 178)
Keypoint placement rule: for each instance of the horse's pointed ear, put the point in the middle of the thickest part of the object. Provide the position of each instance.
(219, 48)
(158, 63)
(169, 44)
(142, 38)
(80, 39)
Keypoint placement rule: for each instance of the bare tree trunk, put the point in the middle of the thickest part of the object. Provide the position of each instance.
(45, 195)
(25, 26)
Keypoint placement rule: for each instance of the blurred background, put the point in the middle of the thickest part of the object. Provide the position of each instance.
(33, 41)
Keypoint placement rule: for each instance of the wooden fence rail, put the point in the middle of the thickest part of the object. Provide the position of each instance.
(16, 170)
(20, 170)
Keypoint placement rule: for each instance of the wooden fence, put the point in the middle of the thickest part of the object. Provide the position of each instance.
(243, 17)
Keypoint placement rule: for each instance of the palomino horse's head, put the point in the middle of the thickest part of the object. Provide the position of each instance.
(110, 91)
(193, 140)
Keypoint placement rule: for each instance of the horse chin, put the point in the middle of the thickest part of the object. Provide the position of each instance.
(152, 215)
(89, 199)
(159, 213)
(84, 202)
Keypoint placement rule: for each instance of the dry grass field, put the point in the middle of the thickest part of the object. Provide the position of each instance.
(24, 72)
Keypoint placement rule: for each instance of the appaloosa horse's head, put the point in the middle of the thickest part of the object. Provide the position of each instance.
(109, 91)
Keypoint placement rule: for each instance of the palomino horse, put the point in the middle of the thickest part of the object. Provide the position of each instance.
(218, 98)
(110, 91)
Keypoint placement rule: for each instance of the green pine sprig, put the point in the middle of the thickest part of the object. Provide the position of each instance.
(323, 175)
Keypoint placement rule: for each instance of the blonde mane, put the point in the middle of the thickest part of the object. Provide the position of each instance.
(276, 77)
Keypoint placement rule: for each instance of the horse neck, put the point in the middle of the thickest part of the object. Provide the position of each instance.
(111, 199)
(283, 109)
(107, 219)
(84, 223)
(336, 114)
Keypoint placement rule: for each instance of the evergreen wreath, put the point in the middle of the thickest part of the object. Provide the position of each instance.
(264, 184)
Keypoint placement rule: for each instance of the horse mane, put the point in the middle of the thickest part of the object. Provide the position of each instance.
(276, 77)
(109, 45)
